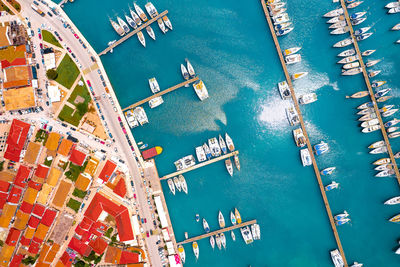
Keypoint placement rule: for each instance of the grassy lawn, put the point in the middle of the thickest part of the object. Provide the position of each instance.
(80, 91)
(74, 204)
(49, 37)
(67, 72)
(79, 193)
(41, 136)
(66, 115)
(73, 172)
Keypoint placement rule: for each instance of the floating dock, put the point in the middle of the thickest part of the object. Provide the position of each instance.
(371, 92)
(202, 164)
(296, 104)
(132, 33)
(163, 92)
(222, 230)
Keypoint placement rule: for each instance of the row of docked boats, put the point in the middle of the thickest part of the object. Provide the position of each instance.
(135, 19)
(178, 183)
(136, 117)
(280, 19)
(393, 7)
(199, 87)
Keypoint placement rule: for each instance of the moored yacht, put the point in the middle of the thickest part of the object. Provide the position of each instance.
(207, 151)
(183, 183)
(140, 12)
(373, 73)
(344, 43)
(337, 258)
(155, 102)
(292, 115)
(222, 144)
(348, 52)
(218, 241)
(150, 32)
(237, 216)
(291, 59)
(354, 71)
(299, 75)
(233, 236)
(212, 241)
(131, 118)
(184, 71)
(328, 171)
(171, 186)
(395, 218)
(255, 231)
(123, 25)
(305, 157)
(372, 63)
(190, 68)
(130, 21)
(141, 38)
(308, 98)
(229, 142)
(185, 162)
(284, 90)
(237, 162)
(233, 218)
(135, 17)
(334, 13)
(140, 115)
(341, 216)
(154, 87)
(331, 186)
(321, 148)
(393, 201)
(205, 226)
(299, 137)
(348, 59)
(200, 89)
(368, 52)
(229, 167)
(167, 22)
(221, 219)
(214, 147)
(151, 10)
(246, 234)
(223, 240)
(291, 50)
(201, 155)
(181, 252)
(117, 28)
(177, 184)
(376, 144)
(195, 247)
(162, 26)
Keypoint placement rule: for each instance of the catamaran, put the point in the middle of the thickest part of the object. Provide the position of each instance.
(183, 183)
(229, 167)
(150, 32)
(185, 162)
(207, 151)
(154, 87)
(337, 258)
(305, 157)
(131, 118)
(214, 147)
(284, 90)
(299, 137)
(229, 142)
(222, 144)
(140, 115)
(155, 102)
(246, 234)
(171, 186)
(205, 226)
(201, 155)
(255, 231)
(140, 12)
(292, 115)
(190, 69)
(221, 219)
(141, 38)
(201, 90)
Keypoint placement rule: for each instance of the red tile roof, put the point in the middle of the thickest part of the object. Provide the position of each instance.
(3, 199)
(48, 217)
(14, 195)
(13, 237)
(77, 157)
(16, 62)
(26, 207)
(107, 170)
(33, 222)
(97, 229)
(16, 139)
(79, 230)
(79, 246)
(24, 241)
(38, 210)
(128, 257)
(86, 223)
(34, 247)
(66, 259)
(4, 186)
(22, 175)
(98, 245)
(37, 240)
(16, 260)
(34, 185)
(85, 236)
(42, 171)
(120, 188)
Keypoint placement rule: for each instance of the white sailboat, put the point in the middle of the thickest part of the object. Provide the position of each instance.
(218, 241)
(229, 142)
(141, 38)
(201, 155)
(123, 25)
(222, 144)
(167, 22)
(177, 184)
(212, 241)
(190, 69)
(196, 251)
(221, 219)
(150, 32)
(183, 183)
(233, 218)
(162, 26)
(140, 12)
(171, 186)
(223, 240)
(184, 71)
(181, 252)
(229, 167)
(135, 17)
(233, 236)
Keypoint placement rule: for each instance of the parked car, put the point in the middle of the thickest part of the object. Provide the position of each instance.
(76, 36)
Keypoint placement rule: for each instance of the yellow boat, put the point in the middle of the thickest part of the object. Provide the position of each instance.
(237, 216)
(382, 161)
(358, 94)
(395, 218)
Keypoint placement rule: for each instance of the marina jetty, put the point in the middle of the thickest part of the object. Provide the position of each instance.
(222, 230)
(371, 92)
(132, 33)
(309, 147)
(173, 88)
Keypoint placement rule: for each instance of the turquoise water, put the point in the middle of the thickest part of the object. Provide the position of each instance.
(230, 47)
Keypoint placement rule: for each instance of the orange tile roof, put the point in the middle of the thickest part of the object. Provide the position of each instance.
(21, 220)
(82, 183)
(52, 141)
(32, 152)
(53, 177)
(61, 194)
(30, 195)
(91, 167)
(59, 264)
(65, 147)
(4, 39)
(113, 255)
(43, 252)
(44, 194)
(12, 52)
(5, 254)
(41, 231)
(7, 214)
(29, 232)
(18, 98)
(52, 253)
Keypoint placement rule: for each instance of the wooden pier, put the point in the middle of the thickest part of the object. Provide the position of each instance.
(371, 93)
(130, 34)
(202, 164)
(222, 230)
(296, 104)
(163, 92)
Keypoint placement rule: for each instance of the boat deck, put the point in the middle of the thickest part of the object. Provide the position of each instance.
(296, 104)
(202, 164)
(371, 92)
(163, 92)
(132, 33)
(222, 230)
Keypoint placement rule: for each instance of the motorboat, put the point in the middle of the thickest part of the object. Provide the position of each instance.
(365, 105)
(321, 148)
(155, 102)
(214, 147)
(357, 15)
(222, 144)
(207, 151)
(190, 68)
(354, 4)
(284, 90)
(197, 217)
(141, 38)
(221, 219)
(341, 30)
(171, 186)
(378, 83)
(140, 115)
(383, 166)
(398, 41)
(396, 27)
(206, 226)
(397, 155)
(331, 186)
(161, 25)
(361, 30)
(341, 216)
(328, 171)
(154, 87)
(281, 18)
(123, 25)
(285, 31)
(218, 241)
(342, 221)
(201, 155)
(140, 12)
(347, 53)
(299, 137)
(177, 184)
(151, 10)
(233, 218)
(394, 135)
(352, 71)
(394, 10)
(131, 118)
(167, 22)
(386, 108)
(195, 247)
(299, 75)
(237, 216)
(368, 117)
(282, 26)
(334, 13)
(308, 98)
(117, 27)
(392, 5)
(185, 162)
(368, 52)
(181, 252)
(384, 98)
(276, 5)
(385, 173)
(373, 73)
(392, 122)
(130, 21)
(305, 157)
(290, 51)
(229, 142)
(336, 19)
(369, 123)
(292, 115)
(246, 234)
(212, 241)
(348, 59)
(200, 89)
(277, 11)
(337, 258)
(150, 32)
(184, 71)
(183, 183)
(233, 236)
(339, 24)
(237, 162)
(377, 144)
(358, 21)
(291, 59)
(370, 129)
(366, 111)
(382, 161)
(359, 94)
(229, 167)
(186, 235)
(344, 43)
(393, 201)
(135, 17)
(363, 36)
(372, 63)
(351, 65)
(255, 231)
(389, 112)
(395, 218)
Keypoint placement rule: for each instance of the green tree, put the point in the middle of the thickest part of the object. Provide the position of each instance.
(52, 74)
(80, 263)
(29, 260)
(1, 165)
(82, 108)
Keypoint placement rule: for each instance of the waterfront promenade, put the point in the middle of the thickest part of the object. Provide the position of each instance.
(296, 104)
(371, 92)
